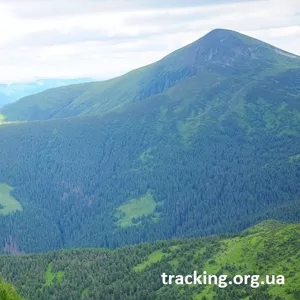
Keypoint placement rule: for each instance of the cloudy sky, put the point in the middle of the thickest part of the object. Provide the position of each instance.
(106, 38)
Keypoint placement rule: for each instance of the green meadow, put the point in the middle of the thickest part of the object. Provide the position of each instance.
(8, 204)
(136, 208)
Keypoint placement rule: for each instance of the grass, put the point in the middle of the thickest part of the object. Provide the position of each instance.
(136, 208)
(8, 203)
(153, 258)
(294, 158)
(269, 117)
(60, 276)
(7, 292)
(85, 292)
(2, 119)
(163, 113)
(262, 251)
(146, 156)
(189, 127)
(51, 276)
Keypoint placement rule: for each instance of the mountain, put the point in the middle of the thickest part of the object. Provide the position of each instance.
(218, 57)
(209, 144)
(12, 92)
(134, 273)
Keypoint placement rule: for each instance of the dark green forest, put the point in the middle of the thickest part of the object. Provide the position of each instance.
(204, 155)
(134, 272)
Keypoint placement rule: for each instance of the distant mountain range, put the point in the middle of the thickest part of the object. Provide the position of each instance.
(12, 92)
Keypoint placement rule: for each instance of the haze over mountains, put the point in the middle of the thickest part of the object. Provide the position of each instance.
(12, 92)
(203, 142)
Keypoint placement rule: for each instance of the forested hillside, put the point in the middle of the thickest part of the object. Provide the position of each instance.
(210, 155)
(134, 273)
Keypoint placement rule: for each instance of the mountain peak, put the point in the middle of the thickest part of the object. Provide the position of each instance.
(231, 38)
(228, 49)
(222, 34)
(222, 53)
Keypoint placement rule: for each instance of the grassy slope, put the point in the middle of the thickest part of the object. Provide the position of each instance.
(7, 292)
(135, 208)
(268, 248)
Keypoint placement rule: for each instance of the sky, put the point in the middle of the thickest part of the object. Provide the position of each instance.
(102, 39)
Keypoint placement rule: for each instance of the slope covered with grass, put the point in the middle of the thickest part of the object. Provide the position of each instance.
(7, 292)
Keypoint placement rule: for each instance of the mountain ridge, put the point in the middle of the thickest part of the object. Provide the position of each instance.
(206, 56)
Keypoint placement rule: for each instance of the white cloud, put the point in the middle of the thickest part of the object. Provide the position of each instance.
(42, 39)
